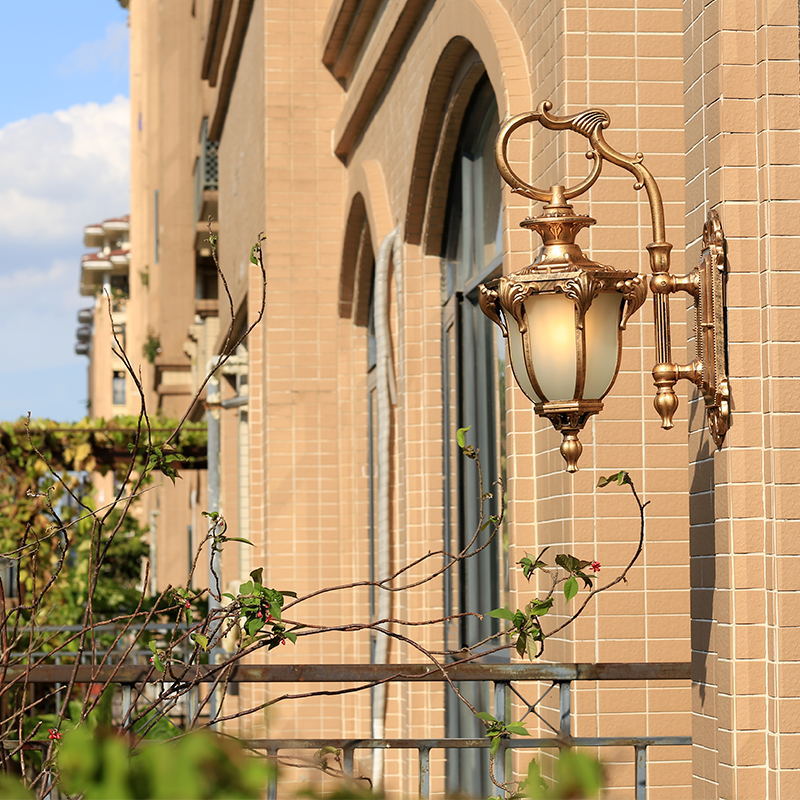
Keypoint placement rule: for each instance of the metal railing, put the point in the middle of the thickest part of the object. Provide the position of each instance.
(206, 170)
(505, 680)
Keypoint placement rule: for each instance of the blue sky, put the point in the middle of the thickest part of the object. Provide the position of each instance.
(63, 164)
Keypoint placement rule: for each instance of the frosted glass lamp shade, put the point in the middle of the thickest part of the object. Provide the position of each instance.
(561, 358)
(603, 337)
(516, 355)
(552, 345)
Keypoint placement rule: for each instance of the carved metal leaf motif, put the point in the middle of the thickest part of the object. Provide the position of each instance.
(512, 296)
(634, 290)
(582, 289)
(490, 305)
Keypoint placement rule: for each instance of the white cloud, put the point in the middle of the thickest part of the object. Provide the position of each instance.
(110, 52)
(37, 322)
(63, 170)
(58, 172)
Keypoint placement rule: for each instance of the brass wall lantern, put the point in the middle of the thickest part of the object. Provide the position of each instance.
(563, 316)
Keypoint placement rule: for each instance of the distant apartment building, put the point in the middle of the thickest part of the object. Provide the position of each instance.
(105, 278)
(121, 318)
(358, 137)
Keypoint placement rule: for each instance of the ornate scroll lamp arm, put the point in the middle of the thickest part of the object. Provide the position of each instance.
(590, 124)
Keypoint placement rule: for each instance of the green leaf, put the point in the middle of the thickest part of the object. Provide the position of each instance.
(12, 789)
(568, 562)
(538, 608)
(200, 640)
(534, 785)
(529, 566)
(570, 588)
(254, 626)
(257, 575)
(521, 644)
(292, 637)
(239, 539)
(587, 579)
(293, 594)
(485, 716)
(158, 663)
(461, 436)
(153, 725)
(495, 745)
(247, 587)
(578, 774)
(502, 613)
(518, 728)
(619, 478)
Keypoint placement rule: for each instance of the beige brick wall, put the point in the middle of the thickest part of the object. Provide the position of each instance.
(639, 80)
(742, 119)
(708, 92)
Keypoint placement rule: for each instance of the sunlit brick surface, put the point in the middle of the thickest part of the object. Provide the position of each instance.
(707, 91)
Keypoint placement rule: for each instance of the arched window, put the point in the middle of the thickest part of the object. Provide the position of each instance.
(474, 364)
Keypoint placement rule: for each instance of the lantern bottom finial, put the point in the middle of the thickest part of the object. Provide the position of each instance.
(571, 450)
(569, 419)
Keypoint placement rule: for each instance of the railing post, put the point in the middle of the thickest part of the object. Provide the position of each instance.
(424, 773)
(565, 708)
(641, 771)
(347, 761)
(127, 702)
(272, 784)
(191, 701)
(500, 758)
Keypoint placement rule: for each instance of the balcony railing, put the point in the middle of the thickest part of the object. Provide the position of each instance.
(504, 679)
(206, 176)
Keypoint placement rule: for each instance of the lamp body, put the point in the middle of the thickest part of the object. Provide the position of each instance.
(563, 318)
(530, 305)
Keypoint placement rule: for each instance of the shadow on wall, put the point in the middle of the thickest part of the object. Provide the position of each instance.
(703, 564)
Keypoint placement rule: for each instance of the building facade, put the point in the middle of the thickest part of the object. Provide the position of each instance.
(358, 137)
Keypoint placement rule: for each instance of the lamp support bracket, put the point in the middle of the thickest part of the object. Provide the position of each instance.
(709, 370)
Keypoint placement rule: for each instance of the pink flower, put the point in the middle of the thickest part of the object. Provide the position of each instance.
(595, 566)
(283, 641)
(54, 734)
(187, 604)
(259, 614)
(152, 659)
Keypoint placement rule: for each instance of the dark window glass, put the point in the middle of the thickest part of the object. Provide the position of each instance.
(206, 286)
(474, 362)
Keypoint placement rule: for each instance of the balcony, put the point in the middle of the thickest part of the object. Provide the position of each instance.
(544, 695)
(206, 177)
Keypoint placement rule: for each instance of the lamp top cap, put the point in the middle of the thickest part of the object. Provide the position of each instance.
(558, 224)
